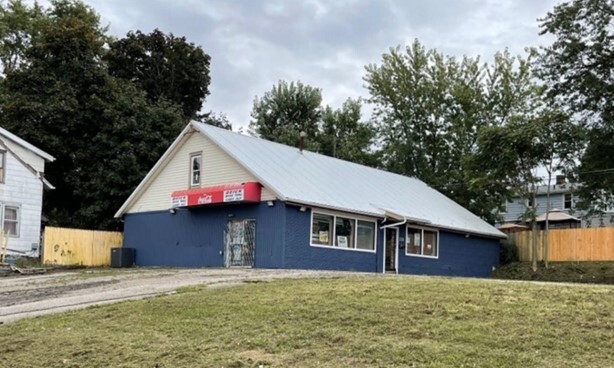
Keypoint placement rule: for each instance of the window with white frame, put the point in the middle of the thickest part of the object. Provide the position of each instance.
(340, 231)
(567, 201)
(11, 221)
(422, 242)
(195, 169)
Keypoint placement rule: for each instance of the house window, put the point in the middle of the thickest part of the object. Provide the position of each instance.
(422, 242)
(195, 169)
(342, 232)
(567, 201)
(365, 235)
(11, 221)
(322, 229)
(2, 165)
(530, 203)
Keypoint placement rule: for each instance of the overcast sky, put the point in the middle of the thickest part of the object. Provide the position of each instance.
(254, 44)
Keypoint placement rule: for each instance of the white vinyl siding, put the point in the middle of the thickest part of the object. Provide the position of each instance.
(23, 190)
(34, 160)
(217, 168)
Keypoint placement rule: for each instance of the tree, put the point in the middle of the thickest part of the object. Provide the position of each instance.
(504, 165)
(561, 141)
(19, 26)
(344, 136)
(219, 120)
(164, 66)
(577, 69)
(287, 110)
(429, 110)
(103, 131)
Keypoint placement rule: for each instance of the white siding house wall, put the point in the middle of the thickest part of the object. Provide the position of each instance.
(24, 190)
(217, 168)
(517, 207)
(34, 160)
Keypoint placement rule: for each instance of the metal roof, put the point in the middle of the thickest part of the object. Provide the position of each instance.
(317, 180)
(554, 215)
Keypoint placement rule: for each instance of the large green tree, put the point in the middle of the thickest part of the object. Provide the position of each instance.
(430, 108)
(103, 131)
(285, 111)
(343, 135)
(164, 66)
(578, 70)
(19, 26)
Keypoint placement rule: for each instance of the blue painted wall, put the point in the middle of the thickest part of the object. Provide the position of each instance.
(458, 256)
(195, 237)
(299, 254)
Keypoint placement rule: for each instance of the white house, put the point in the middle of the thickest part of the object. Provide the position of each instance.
(22, 181)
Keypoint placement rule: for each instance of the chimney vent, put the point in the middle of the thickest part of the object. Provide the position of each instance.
(301, 143)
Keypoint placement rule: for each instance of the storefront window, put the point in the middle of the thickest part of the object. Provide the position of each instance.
(422, 242)
(321, 230)
(342, 232)
(365, 238)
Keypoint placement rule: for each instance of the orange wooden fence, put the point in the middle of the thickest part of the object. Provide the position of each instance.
(592, 244)
(64, 246)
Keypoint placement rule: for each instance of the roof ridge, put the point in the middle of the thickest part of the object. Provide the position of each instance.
(266, 141)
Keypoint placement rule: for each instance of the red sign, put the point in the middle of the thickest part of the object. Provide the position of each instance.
(228, 193)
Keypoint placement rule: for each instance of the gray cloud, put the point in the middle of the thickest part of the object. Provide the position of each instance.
(253, 44)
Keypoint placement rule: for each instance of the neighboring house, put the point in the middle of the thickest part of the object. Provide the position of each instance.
(218, 198)
(22, 181)
(563, 200)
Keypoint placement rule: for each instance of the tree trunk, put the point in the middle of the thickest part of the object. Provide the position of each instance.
(545, 255)
(534, 232)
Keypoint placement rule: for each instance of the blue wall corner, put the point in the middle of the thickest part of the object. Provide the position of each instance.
(195, 237)
(459, 255)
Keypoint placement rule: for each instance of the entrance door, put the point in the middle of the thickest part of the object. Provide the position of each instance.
(392, 238)
(240, 243)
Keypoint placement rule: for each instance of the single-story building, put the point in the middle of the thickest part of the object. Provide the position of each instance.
(218, 198)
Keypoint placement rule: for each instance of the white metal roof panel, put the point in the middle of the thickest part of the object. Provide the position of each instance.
(318, 180)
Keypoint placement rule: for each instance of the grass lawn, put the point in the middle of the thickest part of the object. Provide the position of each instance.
(342, 322)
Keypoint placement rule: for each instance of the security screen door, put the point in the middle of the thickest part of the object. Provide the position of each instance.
(239, 243)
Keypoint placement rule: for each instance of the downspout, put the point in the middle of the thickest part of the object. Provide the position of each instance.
(395, 224)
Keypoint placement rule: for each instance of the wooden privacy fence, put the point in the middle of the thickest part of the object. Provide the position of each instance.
(70, 247)
(592, 244)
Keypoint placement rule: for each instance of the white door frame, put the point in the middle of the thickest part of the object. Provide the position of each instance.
(396, 253)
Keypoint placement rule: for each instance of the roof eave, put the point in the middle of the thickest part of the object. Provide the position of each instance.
(39, 152)
(415, 222)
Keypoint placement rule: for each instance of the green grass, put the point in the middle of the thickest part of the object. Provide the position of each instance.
(342, 322)
(580, 272)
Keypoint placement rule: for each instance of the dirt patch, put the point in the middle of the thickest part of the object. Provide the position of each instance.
(14, 297)
(29, 296)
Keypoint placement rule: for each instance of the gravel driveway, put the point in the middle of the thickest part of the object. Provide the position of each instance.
(28, 296)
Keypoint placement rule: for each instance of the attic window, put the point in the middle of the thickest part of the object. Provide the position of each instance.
(2, 165)
(195, 169)
(567, 201)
